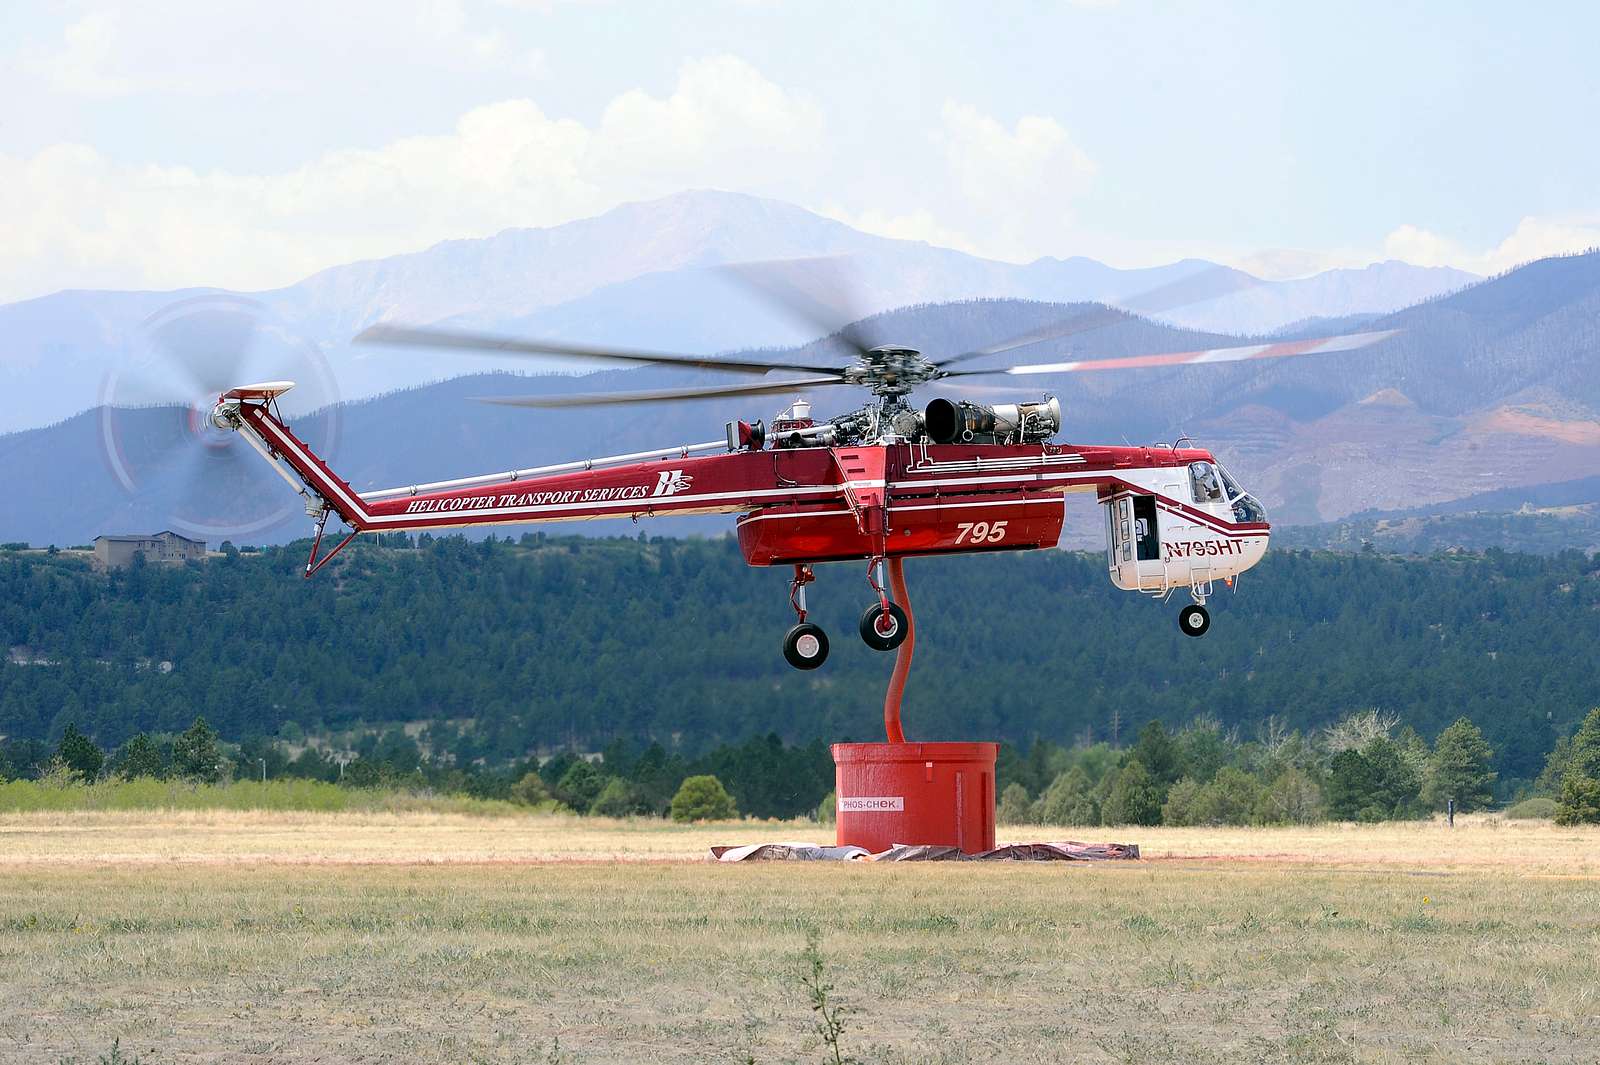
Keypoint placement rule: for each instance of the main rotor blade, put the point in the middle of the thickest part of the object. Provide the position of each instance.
(1317, 346)
(416, 337)
(813, 291)
(1192, 288)
(659, 395)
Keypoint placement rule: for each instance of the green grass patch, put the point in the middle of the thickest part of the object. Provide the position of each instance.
(31, 796)
(1533, 809)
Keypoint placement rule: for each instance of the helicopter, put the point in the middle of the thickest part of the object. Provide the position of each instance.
(876, 485)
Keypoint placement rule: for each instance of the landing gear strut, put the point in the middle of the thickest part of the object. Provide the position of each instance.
(806, 645)
(883, 624)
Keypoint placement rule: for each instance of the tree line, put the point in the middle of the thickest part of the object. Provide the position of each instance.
(760, 777)
(1366, 767)
(1363, 768)
(497, 652)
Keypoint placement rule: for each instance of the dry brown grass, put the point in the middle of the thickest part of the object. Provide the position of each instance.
(300, 938)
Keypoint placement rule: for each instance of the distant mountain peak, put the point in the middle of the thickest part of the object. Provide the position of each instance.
(1387, 397)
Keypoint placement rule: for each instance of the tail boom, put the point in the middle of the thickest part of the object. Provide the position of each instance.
(674, 483)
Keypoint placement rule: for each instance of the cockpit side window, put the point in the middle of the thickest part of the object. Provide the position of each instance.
(1205, 482)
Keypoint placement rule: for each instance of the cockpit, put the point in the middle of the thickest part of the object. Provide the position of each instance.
(1210, 483)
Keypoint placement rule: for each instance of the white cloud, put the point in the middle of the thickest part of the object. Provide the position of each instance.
(723, 119)
(1017, 184)
(185, 48)
(1533, 238)
(79, 65)
(989, 161)
(1002, 192)
(73, 218)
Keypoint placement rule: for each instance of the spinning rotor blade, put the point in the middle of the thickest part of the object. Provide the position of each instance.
(155, 431)
(659, 395)
(1316, 346)
(1195, 288)
(812, 291)
(459, 340)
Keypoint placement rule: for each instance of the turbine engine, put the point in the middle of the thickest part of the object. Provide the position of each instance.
(950, 422)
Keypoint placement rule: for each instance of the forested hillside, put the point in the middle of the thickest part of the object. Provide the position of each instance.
(547, 644)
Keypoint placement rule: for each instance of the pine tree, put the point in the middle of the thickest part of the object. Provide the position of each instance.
(195, 753)
(1459, 768)
(1579, 801)
(1135, 798)
(79, 753)
(139, 757)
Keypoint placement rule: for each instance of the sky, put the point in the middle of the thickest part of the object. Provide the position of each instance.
(177, 142)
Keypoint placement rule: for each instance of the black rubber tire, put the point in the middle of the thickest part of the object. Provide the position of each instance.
(1194, 620)
(806, 646)
(896, 621)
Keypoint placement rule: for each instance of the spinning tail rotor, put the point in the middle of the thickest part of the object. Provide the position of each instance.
(156, 432)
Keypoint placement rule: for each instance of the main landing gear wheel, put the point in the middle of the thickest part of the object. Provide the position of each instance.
(806, 646)
(884, 631)
(1194, 620)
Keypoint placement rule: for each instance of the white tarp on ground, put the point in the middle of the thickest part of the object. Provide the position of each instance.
(1063, 851)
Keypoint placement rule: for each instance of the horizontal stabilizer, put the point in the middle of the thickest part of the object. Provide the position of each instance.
(263, 390)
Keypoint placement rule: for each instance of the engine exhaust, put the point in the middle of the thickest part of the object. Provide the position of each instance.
(951, 422)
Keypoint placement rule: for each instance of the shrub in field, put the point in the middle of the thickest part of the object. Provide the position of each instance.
(1459, 769)
(1015, 805)
(530, 790)
(1375, 783)
(702, 798)
(1293, 798)
(1537, 808)
(580, 785)
(828, 808)
(1182, 807)
(1229, 799)
(616, 799)
(1069, 800)
(1135, 797)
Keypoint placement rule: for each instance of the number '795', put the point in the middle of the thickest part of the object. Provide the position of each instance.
(980, 532)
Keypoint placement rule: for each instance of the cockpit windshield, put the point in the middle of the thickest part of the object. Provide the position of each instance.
(1248, 508)
(1210, 483)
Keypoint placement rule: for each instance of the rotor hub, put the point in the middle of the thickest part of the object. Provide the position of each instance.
(890, 370)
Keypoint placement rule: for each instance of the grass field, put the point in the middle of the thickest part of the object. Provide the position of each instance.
(406, 937)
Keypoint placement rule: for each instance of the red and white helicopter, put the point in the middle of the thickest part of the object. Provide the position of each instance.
(876, 485)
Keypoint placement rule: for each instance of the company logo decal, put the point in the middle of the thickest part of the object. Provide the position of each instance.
(867, 804)
(671, 482)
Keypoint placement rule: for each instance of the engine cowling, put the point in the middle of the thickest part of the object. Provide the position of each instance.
(951, 422)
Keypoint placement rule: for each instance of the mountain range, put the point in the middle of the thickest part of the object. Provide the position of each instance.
(1488, 388)
(641, 275)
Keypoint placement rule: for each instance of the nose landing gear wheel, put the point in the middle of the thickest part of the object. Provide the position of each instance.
(1194, 620)
(806, 646)
(881, 631)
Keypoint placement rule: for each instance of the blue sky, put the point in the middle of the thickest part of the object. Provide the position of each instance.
(176, 143)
